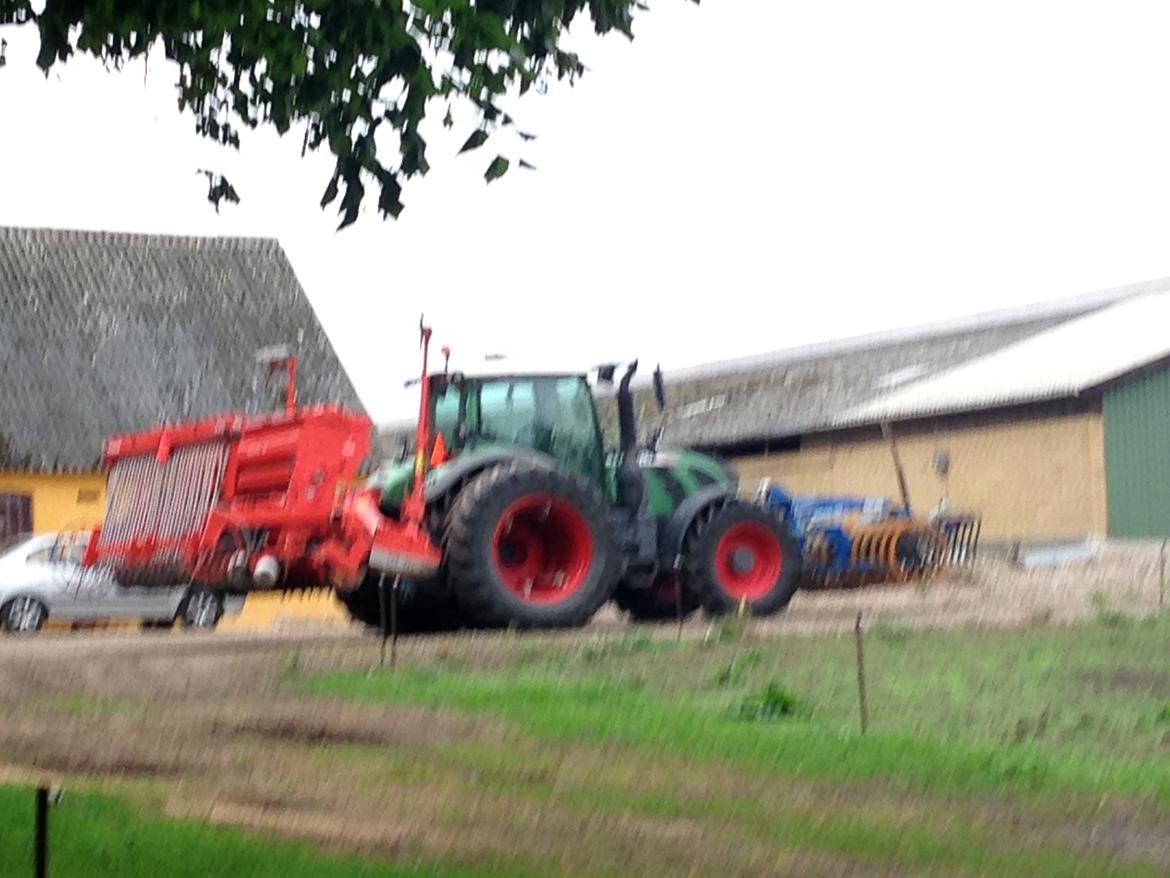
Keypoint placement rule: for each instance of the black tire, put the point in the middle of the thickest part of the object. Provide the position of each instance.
(24, 614)
(740, 551)
(518, 537)
(201, 608)
(656, 603)
(416, 613)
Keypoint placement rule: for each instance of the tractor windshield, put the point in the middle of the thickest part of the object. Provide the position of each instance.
(552, 414)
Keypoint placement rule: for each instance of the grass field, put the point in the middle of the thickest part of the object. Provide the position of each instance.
(94, 834)
(973, 737)
(1037, 752)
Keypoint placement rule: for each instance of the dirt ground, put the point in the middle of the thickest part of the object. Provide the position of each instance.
(199, 723)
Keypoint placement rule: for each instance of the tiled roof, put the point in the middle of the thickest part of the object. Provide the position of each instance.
(107, 332)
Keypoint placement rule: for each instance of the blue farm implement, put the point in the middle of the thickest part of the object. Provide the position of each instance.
(855, 540)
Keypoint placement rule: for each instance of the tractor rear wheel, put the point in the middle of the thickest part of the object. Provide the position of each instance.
(658, 603)
(530, 546)
(741, 553)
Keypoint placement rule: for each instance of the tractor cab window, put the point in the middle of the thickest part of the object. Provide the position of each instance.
(551, 414)
(447, 415)
(507, 412)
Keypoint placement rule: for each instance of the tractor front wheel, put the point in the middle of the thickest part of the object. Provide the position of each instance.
(530, 546)
(741, 554)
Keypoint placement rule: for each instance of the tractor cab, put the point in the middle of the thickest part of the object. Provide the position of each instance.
(553, 414)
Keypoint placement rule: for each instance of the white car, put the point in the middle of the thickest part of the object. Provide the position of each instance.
(41, 577)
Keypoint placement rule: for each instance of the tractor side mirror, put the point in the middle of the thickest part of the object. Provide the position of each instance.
(659, 388)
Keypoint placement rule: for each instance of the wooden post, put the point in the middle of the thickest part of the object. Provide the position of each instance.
(1162, 577)
(888, 433)
(41, 868)
(382, 618)
(743, 614)
(861, 703)
(394, 622)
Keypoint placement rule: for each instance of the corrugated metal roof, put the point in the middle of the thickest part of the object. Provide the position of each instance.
(1052, 310)
(1059, 362)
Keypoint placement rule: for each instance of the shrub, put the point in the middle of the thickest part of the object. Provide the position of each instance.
(774, 702)
(734, 671)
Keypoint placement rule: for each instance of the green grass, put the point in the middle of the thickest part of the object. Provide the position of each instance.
(1077, 709)
(93, 834)
(988, 753)
(966, 726)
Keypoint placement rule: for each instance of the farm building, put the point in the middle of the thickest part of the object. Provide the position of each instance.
(106, 332)
(1053, 420)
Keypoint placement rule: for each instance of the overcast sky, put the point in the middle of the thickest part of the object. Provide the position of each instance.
(745, 175)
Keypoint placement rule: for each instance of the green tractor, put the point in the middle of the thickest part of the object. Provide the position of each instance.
(539, 525)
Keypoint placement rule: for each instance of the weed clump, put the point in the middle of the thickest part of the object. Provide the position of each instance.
(629, 644)
(890, 632)
(1106, 615)
(734, 672)
(773, 703)
(293, 668)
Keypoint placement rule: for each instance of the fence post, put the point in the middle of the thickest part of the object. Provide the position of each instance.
(1162, 577)
(382, 619)
(861, 703)
(42, 833)
(394, 621)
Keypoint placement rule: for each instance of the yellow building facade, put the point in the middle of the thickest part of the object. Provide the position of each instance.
(58, 501)
(1029, 477)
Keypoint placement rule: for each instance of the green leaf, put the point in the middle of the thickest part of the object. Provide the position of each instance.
(497, 168)
(477, 139)
(330, 192)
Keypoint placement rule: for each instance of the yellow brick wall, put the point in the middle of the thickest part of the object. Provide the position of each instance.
(1030, 479)
(73, 501)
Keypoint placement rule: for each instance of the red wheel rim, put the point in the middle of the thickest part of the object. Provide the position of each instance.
(748, 559)
(542, 549)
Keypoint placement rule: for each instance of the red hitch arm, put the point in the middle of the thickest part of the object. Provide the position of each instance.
(414, 505)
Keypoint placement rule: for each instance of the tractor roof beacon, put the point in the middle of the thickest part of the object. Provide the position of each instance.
(539, 525)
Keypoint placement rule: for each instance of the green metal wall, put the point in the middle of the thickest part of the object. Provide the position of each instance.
(1137, 456)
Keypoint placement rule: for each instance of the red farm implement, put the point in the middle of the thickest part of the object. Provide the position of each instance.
(247, 502)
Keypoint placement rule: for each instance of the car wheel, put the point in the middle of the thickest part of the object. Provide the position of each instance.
(202, 608)
(23, 615)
